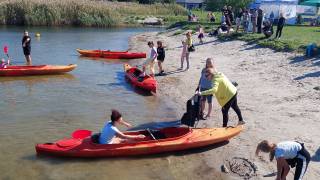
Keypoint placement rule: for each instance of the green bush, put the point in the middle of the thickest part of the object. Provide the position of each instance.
(79, 12)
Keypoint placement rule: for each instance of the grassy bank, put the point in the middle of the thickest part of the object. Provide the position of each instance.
(81, 12)
(294, 38)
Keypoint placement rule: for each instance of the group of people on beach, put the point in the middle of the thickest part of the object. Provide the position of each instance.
(156, 55)
(211, 83)
(250, 20)
(214, 83)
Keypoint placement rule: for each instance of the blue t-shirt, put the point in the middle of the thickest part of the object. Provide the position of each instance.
(108, 132)
(287, 149)
(205, 83)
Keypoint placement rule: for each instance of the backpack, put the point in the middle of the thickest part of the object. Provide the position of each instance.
(193, 113)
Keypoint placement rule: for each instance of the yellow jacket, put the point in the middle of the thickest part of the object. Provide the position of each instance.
(222, 89)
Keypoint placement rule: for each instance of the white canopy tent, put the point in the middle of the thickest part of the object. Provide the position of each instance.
(289, 8)
(275, 7)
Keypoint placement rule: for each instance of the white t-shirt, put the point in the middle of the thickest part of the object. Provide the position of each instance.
(108, 132)
(287, 149)
(153, 53)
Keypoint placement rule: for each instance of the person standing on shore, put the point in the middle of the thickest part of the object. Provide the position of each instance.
(26, 46)
(225, 93)
(151, 60)
(287, 153)
(231, 14)
(281, 23)
(254, 20)
(187, 47)
(184, 55)
(160, 57)
(259, 20)
(239, 19)
(246, 18)
(206, 84)
(201, 34)
(227, 17)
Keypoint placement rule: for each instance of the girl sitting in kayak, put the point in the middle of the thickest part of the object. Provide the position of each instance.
(110, 133)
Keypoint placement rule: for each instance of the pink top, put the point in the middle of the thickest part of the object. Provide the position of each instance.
(184, 49)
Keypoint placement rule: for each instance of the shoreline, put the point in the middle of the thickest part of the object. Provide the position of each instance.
(276, 87)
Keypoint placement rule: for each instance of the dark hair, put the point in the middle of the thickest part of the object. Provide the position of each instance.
(115, 115)
(150, 43)
(159, 43)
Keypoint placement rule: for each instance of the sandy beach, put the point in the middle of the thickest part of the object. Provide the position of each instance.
(278, 94)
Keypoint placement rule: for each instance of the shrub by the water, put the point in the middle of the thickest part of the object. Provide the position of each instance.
(78, 12)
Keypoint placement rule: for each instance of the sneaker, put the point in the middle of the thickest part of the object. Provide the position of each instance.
(241, 123)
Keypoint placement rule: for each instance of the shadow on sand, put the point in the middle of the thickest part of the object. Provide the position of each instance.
(300, 59)
(308, 75)
(172, 72)
(316, 156)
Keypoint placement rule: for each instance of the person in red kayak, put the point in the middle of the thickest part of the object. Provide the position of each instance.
(3, 63)
(110, 134)
(26, 46)
(151, 60)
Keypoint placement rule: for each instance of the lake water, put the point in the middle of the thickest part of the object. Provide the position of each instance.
(46, 108)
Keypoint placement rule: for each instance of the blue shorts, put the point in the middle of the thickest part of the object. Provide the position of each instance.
(206, 97)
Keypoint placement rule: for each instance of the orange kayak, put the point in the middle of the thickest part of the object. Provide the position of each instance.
(146, 83)
(156, 141)
(111, 54)
(35, 70)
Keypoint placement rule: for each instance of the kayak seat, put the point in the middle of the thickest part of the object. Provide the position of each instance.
(95, 138)
(157, 134)
(136, 72)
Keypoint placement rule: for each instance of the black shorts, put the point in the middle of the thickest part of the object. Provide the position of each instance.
(160, 59)
(27, 51)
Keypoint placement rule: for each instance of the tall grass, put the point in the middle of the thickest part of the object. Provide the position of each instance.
(77, 12)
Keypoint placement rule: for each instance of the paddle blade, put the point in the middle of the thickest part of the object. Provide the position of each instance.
(81, 134)
(5, 49)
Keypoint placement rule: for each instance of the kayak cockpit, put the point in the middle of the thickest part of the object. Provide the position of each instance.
(166, 134)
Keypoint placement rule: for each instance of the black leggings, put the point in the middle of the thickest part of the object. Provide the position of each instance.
(279, 31)
(301, 163)
(225, 109)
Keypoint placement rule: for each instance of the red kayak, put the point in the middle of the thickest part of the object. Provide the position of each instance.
(111, 54)
(35, 70)
(84, 144)
(146, 83)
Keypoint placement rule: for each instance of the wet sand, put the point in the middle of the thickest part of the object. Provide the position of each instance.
(277, 94)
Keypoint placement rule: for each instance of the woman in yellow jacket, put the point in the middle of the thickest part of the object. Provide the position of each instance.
(225, 93)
